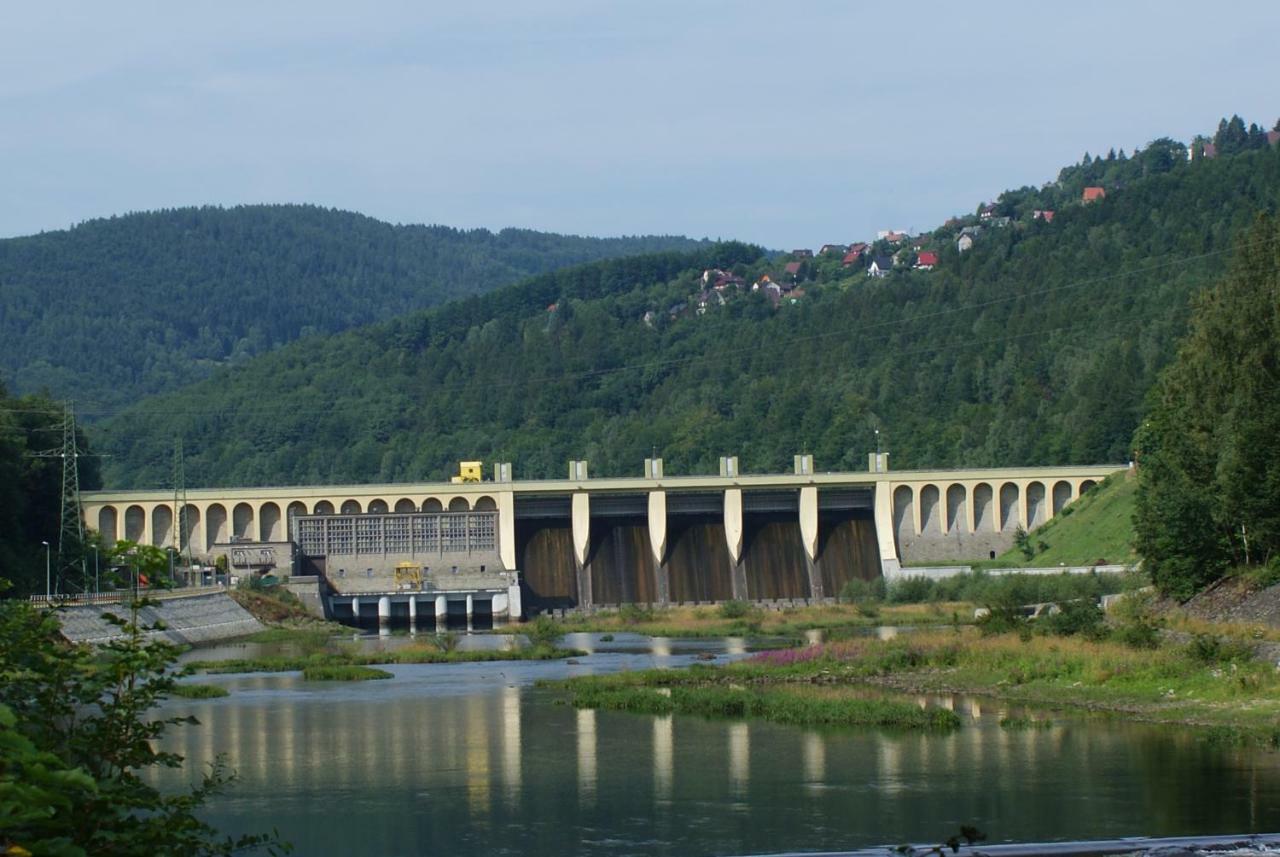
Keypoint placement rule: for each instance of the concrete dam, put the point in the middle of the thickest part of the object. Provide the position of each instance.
(513, 548)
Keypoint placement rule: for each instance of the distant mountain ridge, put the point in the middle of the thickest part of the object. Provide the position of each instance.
(123, 307)
(1036, 345)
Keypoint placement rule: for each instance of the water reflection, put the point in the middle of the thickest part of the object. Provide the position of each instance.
(474, 758)
(586, 755)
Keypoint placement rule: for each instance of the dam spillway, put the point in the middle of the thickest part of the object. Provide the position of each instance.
(584, 542)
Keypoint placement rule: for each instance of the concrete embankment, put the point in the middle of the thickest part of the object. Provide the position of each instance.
(189, 619)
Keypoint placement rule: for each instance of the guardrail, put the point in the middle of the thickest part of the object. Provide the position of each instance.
(120, 595)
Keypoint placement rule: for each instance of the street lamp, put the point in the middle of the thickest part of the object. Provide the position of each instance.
(48, 586)
(95, 570)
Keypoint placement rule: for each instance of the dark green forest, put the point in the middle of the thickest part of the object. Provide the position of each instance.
(116, 309)
(1037, 346)
(31, 487)
(1209, 449)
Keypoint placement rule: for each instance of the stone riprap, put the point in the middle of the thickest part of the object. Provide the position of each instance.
(194, 619)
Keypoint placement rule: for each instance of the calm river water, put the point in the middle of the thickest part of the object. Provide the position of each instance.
(471, 758)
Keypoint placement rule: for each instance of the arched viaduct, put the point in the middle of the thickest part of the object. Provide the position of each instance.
(583, 541)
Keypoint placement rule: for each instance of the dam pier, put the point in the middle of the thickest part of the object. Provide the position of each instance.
(512, 548)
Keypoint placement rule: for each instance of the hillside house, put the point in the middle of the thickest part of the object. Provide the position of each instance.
(801, 254)
(896, 237)
(1209, 150)
(833, 249)
(987, 211)
(708, 299)
(1093, 194)
(926, 261)
(965, 242)
(1044, 214)
(855, 254)
(792, 270)
(880, 267)
(1273, 137)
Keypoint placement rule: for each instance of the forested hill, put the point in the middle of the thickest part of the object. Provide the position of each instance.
(115, 309)
(1036, 346)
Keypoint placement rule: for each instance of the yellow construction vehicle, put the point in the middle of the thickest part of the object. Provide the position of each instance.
(468, 471)
(408, 575)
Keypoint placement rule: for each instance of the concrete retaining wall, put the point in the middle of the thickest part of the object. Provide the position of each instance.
(194, 619)
(307, 590)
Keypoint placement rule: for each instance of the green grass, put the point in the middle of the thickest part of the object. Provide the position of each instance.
(1098, 526)
(407, 655)
(799, 707)
(199, 691)
(1176, 684)
(343, 672)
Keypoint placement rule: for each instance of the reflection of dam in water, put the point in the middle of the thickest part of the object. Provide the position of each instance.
(425, 765)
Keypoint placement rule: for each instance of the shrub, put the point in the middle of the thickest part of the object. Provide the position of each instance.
(735, 610)
(1074, 618)
(1210, 649)
(343, 672)
(634, 614)
(858, 591)
(911, 590)
(543, 631)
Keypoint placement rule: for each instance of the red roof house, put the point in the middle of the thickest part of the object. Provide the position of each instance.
(792, 268)
(1044, 214)
(926, 260)
(1092, 194)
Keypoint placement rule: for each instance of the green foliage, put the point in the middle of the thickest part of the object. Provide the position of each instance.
(1016, 589)
(1209, 449)
(344, 672)
(865, 595)
(447, 641)
(1023, 543)
(735, 609)
(543, 631)
(1095, 529)
(199, 691)
(30, 495)
(1212, 649)
(1075, 618)
(1036, 347)
(148, 302)
(634, 614)
(779, 706)
(79, 737)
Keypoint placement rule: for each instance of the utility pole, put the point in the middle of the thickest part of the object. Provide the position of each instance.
(71, 524)
(181, 518)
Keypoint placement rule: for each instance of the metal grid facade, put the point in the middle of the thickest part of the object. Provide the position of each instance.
(416, 533)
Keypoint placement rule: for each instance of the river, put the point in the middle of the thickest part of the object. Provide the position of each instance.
(473, 758)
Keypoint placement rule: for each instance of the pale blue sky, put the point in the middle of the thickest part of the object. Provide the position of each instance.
(788, 124)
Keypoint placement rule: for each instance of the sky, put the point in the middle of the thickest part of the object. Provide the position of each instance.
(786, 124)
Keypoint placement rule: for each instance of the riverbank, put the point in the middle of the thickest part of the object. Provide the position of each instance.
(743, 619)
(317, 651)
(1219, 689)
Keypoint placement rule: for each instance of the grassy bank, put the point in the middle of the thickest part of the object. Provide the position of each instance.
(198, 691)
(797, 706)
(344, 672)
(740, 619)
(1197, 685)
(1096, 527)
(422, 653)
